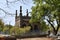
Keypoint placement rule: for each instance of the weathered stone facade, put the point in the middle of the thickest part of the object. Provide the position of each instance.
(21, 21)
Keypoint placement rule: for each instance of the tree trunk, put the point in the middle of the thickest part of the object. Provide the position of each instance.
(54, 30)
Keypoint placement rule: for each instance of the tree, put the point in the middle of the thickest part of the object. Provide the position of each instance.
(7, 27)
(1, 25)
(48, 10)
(6, 30)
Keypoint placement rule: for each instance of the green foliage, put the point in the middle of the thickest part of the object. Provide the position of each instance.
(14, 30)
(0, 28)
(9, 29)
(18, 31)
(6, 30)
(43, 26)
(43, 7)
(59, 29)
(46, 8)
(1, 25)
(1, 22)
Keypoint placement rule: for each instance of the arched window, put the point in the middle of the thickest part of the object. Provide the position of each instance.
(23, 24)
(35, 27)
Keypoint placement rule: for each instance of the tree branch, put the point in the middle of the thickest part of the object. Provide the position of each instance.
(51, 24)
(6, 12)
(58, 26)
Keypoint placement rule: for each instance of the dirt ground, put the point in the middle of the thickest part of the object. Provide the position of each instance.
(37, 39)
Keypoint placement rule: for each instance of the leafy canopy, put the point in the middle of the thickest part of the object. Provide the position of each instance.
(46, 10)
(45, 7)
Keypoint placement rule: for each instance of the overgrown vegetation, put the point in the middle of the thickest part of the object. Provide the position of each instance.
(9, 29)
(13, 30)
(18, 31)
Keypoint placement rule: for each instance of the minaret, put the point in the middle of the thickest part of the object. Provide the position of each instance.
(27, 12)
(20, 16)
(16, 15)
(16, 18)
(20, 10)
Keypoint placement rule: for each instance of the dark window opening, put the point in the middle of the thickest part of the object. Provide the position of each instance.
(35, 28)
(23, 25)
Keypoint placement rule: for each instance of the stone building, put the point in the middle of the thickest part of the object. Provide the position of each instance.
(21, 21)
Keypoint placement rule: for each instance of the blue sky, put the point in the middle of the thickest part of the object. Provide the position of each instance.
(11, 9)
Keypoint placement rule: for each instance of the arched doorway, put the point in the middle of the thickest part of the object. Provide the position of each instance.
(36, 28)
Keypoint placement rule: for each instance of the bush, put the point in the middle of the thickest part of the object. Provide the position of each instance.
(18, 31)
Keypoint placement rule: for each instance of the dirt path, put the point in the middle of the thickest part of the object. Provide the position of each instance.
(36, 39)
